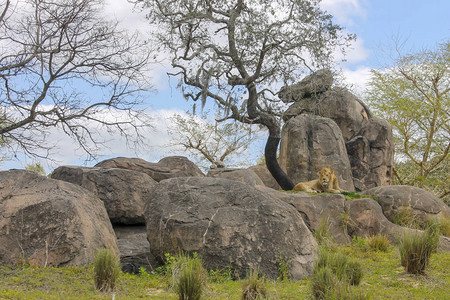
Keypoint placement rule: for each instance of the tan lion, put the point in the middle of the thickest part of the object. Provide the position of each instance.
(327, 182)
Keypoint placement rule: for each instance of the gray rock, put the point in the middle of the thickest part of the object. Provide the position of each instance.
(169, 167)
(314, 208)
(422, 204)
(225, 222)
(310, 143)
(123, 191)
(315, 83)
(366, 218)
(263, 173)
(371, 155)
(246, 176)
(134, 249)
(49, 222)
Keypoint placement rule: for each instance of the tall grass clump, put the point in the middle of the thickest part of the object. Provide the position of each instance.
(378, 242)
(106, 270)
(254, 287)
(334, 274)
(322, 233)
(188, 277)
(416, 248)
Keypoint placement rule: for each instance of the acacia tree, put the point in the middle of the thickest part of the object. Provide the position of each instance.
(62, 65)
(216, 143)
(414, 96)
(238, 53)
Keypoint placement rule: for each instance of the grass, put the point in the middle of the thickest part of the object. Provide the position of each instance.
(384, 278)
(106, 270)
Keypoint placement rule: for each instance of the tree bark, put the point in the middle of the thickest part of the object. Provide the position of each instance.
(273, 166)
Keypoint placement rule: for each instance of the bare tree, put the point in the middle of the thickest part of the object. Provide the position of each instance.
(219, 144)
(62, 65)
(238, 53)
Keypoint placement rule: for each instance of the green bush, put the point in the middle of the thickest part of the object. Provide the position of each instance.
(254, 287)
(378, 242)
(188, 277)
(416, 248)
(353, 272)
(283, 268)
(106, 270)
(322, 281)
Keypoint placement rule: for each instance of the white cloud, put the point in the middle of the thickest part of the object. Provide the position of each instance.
(357, 79)
(344, 10)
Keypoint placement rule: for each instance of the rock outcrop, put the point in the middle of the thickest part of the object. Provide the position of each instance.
(246, 176)
(123, 192)
(227, 222)
(49, 222)
(421, 204)
(263, 173)
(168, 167)
(368, 141)
(310, 143)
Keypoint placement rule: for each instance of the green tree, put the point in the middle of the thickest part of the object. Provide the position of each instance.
(217, 143)
(37, 168)
(413, 96)
(237, 53)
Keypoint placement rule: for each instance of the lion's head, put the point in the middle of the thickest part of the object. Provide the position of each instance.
(325, 176)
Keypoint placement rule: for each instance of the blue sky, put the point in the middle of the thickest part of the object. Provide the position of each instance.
(422, 24)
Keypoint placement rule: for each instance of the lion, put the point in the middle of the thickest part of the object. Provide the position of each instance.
(327, 182)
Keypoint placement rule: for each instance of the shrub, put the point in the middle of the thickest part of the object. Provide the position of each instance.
(359, 242)
(405, 217)
(189, 284)
(341, 265)
(416, 248)
(322, 281)
(378, 242)
(322, 233)
(106, 270)
(283, 268)
(254, 287)
(221, 275)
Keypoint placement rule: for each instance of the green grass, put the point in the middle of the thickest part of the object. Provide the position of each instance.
(384, 278)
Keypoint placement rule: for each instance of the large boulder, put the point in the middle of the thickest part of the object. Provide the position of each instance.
(169, 167)
(228, 222)
(50, 222)
(316, 209)
(122, 191)
(338, 104)
(422, 204)
(310, 143)
(310, 86)
(371, 155)
(243, 175)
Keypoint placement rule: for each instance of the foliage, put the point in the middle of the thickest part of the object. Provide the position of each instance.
(166, 269)
(359, 242)
(54, 54)
(378, 242)
(37, 168)
(190, 277)
(236, 53)
(221, 275)
(413, 96)
(106, 270)
(222, 142)
(283, 268)
(416, 248)
(342, 266)
(254, 287)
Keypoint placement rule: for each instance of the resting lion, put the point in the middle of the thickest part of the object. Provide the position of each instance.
(327, 182)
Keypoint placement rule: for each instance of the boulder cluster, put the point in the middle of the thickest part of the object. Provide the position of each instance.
(330, 127)
(144, 210)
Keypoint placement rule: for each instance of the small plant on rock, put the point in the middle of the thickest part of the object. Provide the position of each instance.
(416, 247)
(254, 287)
(106, 270)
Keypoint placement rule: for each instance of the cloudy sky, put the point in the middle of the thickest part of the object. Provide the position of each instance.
(377, 24)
